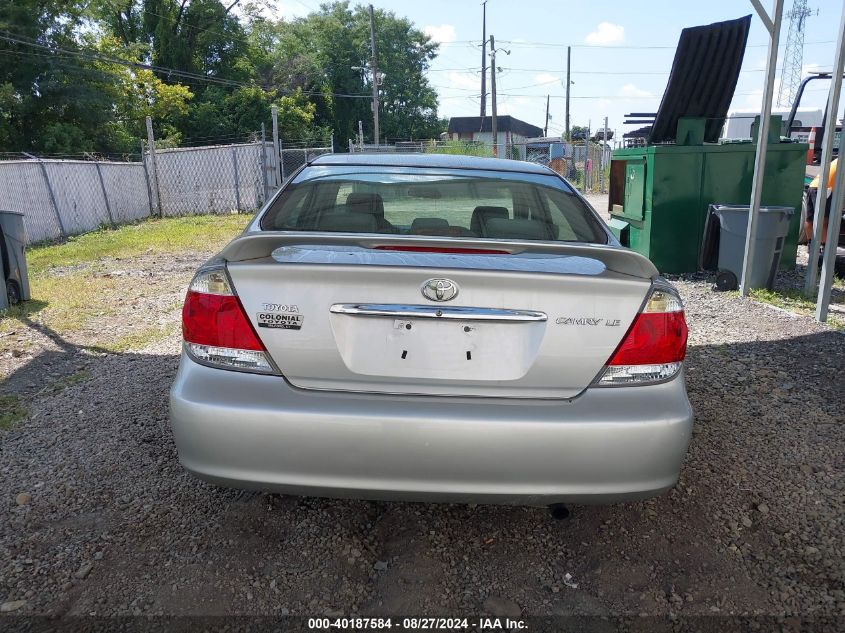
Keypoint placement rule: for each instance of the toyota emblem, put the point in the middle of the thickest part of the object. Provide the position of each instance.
(439, 289)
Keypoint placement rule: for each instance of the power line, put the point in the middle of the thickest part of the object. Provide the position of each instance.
(520, 44)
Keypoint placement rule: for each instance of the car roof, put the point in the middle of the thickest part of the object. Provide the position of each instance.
(447, 161)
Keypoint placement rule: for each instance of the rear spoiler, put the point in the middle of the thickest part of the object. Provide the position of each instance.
(261, 244)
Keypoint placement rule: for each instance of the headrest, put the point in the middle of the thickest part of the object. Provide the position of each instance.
(371, 203)
(482, 214)
(429, 224)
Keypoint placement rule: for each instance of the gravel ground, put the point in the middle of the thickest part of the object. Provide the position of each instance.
(99, 518)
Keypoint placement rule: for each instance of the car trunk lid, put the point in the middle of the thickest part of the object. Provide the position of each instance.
(353, 313)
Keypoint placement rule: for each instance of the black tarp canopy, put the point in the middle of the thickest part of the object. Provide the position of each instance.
(703, 78)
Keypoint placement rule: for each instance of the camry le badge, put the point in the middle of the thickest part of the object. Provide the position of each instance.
(439, 289)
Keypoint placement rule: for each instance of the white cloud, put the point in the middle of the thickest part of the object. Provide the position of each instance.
(442, 33)
(630, 90)
(813, 67)
(546, 78)
(467, 81)
(755, 98)
(606, 33)
(515, 106)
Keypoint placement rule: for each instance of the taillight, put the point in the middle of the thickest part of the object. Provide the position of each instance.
(655, 345)
(215, 327)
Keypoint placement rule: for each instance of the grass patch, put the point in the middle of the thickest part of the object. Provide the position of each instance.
(12, 411)
(65, 300)
(73, 299)
(167, 235)
(141, 338)
(795, 301)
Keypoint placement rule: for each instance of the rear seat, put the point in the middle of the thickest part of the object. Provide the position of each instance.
(519, 229)
(341, 220)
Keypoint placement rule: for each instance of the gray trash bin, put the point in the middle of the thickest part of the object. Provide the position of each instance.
(13, 259)
(727, 224)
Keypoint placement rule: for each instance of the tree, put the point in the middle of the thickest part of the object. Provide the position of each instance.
(75, 82)
(38, 90)
(332, 47)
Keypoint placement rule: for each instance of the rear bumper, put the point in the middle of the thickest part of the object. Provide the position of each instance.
(252, 431)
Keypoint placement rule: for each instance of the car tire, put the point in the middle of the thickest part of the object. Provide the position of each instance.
(726, 280)
(13, 292)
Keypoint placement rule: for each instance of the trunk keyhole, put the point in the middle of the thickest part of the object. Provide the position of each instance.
(469, 355)
(404, 354)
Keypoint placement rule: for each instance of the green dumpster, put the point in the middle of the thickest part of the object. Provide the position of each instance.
(660, 194)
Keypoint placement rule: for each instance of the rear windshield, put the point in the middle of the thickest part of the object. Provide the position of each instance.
(418, 202)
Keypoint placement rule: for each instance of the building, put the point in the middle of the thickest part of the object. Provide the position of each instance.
(511, 132)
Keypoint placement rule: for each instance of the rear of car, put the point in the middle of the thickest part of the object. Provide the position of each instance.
(442, 329)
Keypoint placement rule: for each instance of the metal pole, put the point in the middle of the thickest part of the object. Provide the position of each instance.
(546, 125)
(375, 76)
(602, 161)
(773, 26)
(281, 158)
(833, 224)
(50, 193)
(484, 62)
(588, 173)
(147, 178)
(105, 195)
(568, 82)
(263, 157)
(237, 183)
(332, 142)
(493, 123)
(360, 135)
(151, 142)
(278, 175)
(827, 155)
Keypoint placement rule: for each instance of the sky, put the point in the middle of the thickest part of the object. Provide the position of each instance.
(622, 53)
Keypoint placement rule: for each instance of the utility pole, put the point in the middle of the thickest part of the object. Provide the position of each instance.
(493, 95)
(568, 82)
(374, 69)
(546, 126)
(484, 63)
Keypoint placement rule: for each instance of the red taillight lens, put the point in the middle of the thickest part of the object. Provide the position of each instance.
(216, 329)
(654, 338)
(217, 320)
(654, 347)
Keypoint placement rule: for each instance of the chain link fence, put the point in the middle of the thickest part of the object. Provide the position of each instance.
(67, 197)
(296, 154)
(61, 197)
(212, 179)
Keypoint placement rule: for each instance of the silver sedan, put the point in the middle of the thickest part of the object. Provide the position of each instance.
(428, 327)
